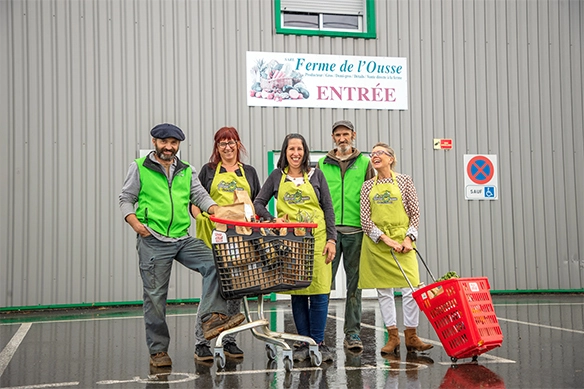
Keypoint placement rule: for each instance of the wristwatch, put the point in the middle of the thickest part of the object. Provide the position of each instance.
(412, 237)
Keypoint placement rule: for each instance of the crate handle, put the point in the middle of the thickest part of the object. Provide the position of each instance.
(404, 273)
(264, 224)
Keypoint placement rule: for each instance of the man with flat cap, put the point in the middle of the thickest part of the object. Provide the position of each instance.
(162, 186)
(345, 170)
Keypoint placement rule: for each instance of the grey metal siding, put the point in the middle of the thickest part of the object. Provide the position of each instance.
(82, 82)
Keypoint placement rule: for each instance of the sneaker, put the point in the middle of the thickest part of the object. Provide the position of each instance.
(325, 352)
(231, 350)
(353, 342)
(203, 353)
(300, 353)
(160, 359)
(217, 323)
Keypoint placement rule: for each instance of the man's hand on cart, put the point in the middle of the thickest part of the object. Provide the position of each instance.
(330, 249)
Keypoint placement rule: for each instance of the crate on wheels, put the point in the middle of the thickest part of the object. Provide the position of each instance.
(254, 259)
(461, 312)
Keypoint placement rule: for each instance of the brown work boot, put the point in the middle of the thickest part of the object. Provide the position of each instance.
(413, 343)
(217, 323)
(160, 359)
(392, 345)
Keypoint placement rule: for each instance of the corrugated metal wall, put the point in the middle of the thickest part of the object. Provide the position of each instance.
(82, 82)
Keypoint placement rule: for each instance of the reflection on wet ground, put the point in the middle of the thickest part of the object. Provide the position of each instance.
(105, 348)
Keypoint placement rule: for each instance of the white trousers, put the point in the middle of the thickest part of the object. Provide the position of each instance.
(409, 307)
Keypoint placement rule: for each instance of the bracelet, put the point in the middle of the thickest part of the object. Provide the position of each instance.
(331, 241)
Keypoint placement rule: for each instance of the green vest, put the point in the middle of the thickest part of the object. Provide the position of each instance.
(164, 207)
(348, 187)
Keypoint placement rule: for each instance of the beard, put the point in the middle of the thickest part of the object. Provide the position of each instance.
(345, 147)
(165, 157)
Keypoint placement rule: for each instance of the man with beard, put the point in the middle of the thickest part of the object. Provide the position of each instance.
(163, 186)
(345, 170)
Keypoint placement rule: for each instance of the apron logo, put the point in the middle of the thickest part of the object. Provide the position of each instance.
(295, 198)
(384, 198)
(228, 186)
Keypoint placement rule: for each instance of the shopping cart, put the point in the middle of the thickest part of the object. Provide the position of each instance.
(461, 312)
(253, 259)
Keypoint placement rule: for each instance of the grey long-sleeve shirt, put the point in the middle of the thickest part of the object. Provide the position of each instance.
(131, 189)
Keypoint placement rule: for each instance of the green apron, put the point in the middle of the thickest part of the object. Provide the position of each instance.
(291, 200)
(222, 188)
(377, 267)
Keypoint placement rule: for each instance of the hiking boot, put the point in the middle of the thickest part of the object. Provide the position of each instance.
(203, 353)
(353, 342)
(413, 343)
(160, 359)
(159, 373)
(231, 350)
(300, 353)
(392, 345)
(217, 323)
(325, 352)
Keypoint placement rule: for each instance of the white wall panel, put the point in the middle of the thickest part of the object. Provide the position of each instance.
(82, 82)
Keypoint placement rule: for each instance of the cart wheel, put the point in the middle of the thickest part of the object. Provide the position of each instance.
(453, 359)
(475, 358)
(270, 351)
(288, 364)
(315, 359)
(219, 361)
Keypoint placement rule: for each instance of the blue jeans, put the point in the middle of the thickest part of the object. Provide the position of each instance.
(349, 245)
(310, 314)
(156, 260)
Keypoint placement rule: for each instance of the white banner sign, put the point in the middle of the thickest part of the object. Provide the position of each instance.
(326, 81)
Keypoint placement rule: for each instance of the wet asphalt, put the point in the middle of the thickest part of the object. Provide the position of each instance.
(542, 347)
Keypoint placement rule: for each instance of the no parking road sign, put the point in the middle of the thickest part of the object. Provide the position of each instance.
(480, 177)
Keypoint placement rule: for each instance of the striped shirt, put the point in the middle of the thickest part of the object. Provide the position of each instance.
(409, 199)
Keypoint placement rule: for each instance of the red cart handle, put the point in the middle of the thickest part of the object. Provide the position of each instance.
(264, 224)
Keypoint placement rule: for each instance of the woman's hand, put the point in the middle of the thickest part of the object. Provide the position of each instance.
(391, 243)
(330, 249)
(407, 245)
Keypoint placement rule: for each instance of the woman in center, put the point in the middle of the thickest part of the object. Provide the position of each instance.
(302, 191)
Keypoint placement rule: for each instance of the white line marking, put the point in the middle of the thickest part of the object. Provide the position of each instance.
(152, 379)
(8, 352)
(57, 385)
(418, 366)
(540, 325)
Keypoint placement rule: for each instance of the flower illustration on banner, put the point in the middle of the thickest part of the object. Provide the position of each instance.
(275, 81)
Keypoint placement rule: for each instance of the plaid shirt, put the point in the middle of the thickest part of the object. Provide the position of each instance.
(409, 199)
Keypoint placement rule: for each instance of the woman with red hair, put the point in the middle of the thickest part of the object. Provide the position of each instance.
(221, 176)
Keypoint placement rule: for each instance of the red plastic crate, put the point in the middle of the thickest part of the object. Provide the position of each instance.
(462, 314)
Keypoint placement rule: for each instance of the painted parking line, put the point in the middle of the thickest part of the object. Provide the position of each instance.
(57, 385)
(541, 325)
(8, 352)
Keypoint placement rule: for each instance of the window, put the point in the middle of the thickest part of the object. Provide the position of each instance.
(342, 18)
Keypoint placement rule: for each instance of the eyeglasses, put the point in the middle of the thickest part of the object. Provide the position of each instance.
(231, 144)
(380, 153)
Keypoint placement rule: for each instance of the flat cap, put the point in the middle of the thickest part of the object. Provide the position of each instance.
(167, 130)
(344, 123)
